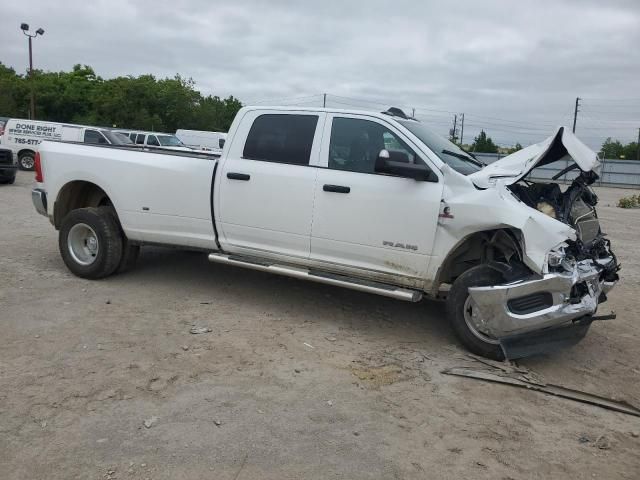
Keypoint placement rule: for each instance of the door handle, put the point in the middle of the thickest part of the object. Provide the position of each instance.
(336, 188)
(238, 176)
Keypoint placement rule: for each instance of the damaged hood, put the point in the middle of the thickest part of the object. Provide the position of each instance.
(562, 145)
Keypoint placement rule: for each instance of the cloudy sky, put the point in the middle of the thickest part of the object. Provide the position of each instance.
(513, 67)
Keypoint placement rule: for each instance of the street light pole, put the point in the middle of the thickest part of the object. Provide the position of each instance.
(25, 29)
(32, 103)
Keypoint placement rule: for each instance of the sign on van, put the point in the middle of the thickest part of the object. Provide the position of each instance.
(40, 132)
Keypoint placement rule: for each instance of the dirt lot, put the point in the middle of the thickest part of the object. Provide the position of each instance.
(295, 380)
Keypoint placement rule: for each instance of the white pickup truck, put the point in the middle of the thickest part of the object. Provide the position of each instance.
(375, 202)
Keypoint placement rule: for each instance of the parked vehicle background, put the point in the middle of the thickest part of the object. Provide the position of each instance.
(8, 166)
(167, 141)
(3, 122)
(22, 137)
(204, 140)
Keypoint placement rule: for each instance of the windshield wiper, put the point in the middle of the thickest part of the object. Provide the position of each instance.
(464, 157)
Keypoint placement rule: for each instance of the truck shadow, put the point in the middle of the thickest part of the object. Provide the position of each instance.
(191, 274)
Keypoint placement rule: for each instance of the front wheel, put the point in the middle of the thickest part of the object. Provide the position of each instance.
(90, 242)
(26, 161)
(460, 312)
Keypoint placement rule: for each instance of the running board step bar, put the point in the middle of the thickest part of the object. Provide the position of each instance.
(320, 277)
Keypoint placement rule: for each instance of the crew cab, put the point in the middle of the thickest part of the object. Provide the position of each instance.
(370, 201)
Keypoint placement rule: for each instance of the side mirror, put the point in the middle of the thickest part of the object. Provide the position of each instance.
(221, 142)
(401, 167)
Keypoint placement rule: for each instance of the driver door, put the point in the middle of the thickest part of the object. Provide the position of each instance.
(366, 222)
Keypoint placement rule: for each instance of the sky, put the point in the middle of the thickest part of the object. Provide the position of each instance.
(514, 68)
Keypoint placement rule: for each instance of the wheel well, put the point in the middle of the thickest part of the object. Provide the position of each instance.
(78, 194)
(502, 245)
(25, 150)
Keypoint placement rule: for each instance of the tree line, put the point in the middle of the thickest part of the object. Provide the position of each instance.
(612, 149)
(616, 149)
(142, 103)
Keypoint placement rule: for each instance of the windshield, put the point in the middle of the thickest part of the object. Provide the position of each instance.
(447, 151)
(169, 141)
(116, 138)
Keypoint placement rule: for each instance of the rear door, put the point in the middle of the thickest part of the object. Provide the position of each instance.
(372, 222)
(264, 199)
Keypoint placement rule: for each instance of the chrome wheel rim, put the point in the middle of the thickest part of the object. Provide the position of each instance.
(27, 161)
(469, 304)
(82, 243)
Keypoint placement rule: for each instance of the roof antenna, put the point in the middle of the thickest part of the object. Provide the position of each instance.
(396, 112)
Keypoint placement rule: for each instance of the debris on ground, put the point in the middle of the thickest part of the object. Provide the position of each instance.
(108, 302)
(199, 330)
(185, 347)
(217, 423)
(330, 403)
(308, 345)
(603, 442)
(150, 422)
(525, 381)
(331, 338)
(584, 439)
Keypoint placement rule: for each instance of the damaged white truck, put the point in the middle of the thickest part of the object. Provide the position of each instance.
(375, 202)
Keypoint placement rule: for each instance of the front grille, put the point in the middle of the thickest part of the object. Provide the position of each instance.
(6, 157)
(530, 303)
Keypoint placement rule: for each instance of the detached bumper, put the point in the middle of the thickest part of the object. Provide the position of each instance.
(555, 300)
(39, 199)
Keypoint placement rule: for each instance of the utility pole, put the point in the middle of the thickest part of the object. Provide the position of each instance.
(462, 129)
(453, 130)
(638, 154)
(25, 29)
(413, 113)
(324, 100)
(575, 113)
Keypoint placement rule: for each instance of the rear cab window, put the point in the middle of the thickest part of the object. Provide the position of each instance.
(281, 138)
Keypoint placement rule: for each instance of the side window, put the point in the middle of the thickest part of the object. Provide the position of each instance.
(132, 137)
(355, 145)
(93, 136)
(140, 139)
(152, 140)
(281, 138)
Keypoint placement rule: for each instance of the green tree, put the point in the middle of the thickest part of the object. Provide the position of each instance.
(515, 148)
(483, 144)
(143, 102)
(612, 148)
(630, 151)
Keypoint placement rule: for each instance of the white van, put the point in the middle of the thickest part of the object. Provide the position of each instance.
(23, 136)
(202, 140)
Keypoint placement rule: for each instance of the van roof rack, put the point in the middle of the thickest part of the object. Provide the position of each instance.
(396, 112)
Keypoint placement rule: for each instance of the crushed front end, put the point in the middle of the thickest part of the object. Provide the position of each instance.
(541, 312)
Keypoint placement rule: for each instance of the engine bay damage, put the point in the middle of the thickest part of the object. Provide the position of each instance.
(576, 207)
(538, 313)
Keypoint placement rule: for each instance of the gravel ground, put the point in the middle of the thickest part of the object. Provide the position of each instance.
(102, 379)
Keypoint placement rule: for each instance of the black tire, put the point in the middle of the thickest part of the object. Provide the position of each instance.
(476, 342)
(130, 252)
(26, 161)
(108, 253)
(129, 256)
